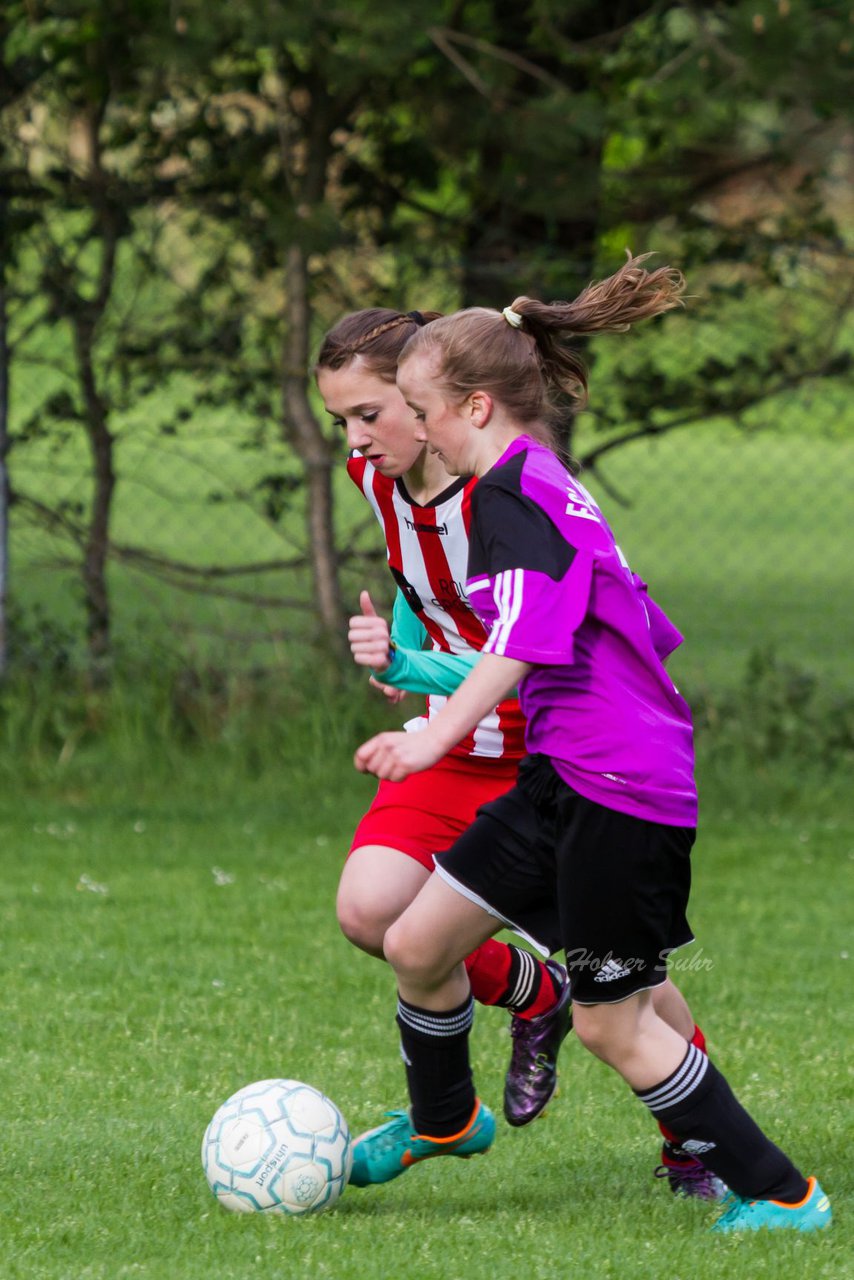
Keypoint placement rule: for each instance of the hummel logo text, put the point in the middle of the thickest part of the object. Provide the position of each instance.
(418, 526)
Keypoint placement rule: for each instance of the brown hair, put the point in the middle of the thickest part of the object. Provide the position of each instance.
(376, 335)
(528, 363)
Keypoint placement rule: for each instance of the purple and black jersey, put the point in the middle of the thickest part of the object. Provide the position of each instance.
(554, 590)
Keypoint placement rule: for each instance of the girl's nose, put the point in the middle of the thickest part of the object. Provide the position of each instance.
(357, 435)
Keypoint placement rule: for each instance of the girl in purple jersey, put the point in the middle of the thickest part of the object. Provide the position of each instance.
(602, 818)
(393, 848)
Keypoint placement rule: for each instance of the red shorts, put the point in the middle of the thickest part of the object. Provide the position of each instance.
(426, 812)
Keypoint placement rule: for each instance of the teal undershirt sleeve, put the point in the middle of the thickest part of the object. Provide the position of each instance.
(415, 668)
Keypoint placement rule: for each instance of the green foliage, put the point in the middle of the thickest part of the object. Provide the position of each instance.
(162, 168)
(779, 712)
(57, 728)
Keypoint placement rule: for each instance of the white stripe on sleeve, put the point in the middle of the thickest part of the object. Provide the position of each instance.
(508, 594)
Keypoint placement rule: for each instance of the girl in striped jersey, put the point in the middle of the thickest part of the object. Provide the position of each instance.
(424, 513)
(602, 818)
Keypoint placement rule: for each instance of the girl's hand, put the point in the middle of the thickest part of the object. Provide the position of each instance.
(395, 755)
(393, 695)
(369, 637)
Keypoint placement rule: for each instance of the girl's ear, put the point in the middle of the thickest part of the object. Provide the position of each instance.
(480, 408)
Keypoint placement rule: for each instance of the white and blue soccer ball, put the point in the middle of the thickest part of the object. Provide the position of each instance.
(277, 1146)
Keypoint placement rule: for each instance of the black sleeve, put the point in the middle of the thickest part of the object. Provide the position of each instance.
(509, 531)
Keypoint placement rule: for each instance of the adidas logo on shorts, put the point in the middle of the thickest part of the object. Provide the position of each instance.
(610, 971)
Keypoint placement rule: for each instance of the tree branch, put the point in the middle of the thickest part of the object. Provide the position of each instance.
(727, 409)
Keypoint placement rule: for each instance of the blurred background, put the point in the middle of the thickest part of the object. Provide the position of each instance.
(191, 194)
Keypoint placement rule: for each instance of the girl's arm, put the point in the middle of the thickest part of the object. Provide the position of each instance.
(404, 664)
(396, 755)
(415, 668)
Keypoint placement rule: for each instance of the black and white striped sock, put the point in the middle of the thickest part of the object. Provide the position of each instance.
(434, 1047)
(523, 980)
(697, 1104)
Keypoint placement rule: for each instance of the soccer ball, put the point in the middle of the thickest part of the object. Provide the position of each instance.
(277, 1146)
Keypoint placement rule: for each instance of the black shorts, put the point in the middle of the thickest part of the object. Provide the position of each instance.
(568, 874)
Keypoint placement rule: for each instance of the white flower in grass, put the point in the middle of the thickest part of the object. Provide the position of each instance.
(221, 877)
(86, 882)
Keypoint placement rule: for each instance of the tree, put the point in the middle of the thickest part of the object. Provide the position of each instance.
(668, 112)
(79, 203)
(18, 76)
(316, 160)
(277, 103)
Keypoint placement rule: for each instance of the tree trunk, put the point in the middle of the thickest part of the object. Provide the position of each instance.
(301, 429)
(4, 476)
(96, 592)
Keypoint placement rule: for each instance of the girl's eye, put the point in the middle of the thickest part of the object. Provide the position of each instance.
(339, 424)
(420, 416)
(370, 417)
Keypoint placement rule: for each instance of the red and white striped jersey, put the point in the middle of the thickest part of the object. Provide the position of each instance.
(427, 549)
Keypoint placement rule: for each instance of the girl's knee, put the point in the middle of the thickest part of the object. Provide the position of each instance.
(412, 956)
(601, 1031)
(360, 925)
(589, 1028)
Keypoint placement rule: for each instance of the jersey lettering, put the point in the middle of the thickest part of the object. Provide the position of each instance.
(579, 503)
(419, 526)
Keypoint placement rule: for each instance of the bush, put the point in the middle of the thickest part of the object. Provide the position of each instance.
(157, 718)
(779, 712)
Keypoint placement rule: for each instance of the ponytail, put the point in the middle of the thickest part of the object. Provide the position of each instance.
(523, 355)
(605, 306)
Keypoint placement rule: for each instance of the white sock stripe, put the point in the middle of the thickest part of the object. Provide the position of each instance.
(689, 1075)
(418, 1020)
(685, 1065)
(434, 1027)
(525, 978)
(687, 1087)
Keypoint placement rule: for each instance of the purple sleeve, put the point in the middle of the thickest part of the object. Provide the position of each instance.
(532, 617)
(665, 637)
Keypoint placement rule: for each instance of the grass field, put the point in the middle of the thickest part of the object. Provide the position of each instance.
(169, 936)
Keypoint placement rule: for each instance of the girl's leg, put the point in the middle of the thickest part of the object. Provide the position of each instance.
(683, 1089)
(672, 1007)
(685, 1174)
(429, 942)
(379, 883)
(426, 946)
(376, 886)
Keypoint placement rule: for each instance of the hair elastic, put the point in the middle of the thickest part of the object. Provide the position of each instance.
(417, 317)
(513, 318)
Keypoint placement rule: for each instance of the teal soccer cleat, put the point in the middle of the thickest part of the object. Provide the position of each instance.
(813, 1213)
(388, 1151)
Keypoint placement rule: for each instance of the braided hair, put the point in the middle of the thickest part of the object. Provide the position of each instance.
(376, 335)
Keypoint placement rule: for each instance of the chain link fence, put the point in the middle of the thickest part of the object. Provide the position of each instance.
(744, 534)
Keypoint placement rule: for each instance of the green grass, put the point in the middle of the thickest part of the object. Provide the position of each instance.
(169, 935)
